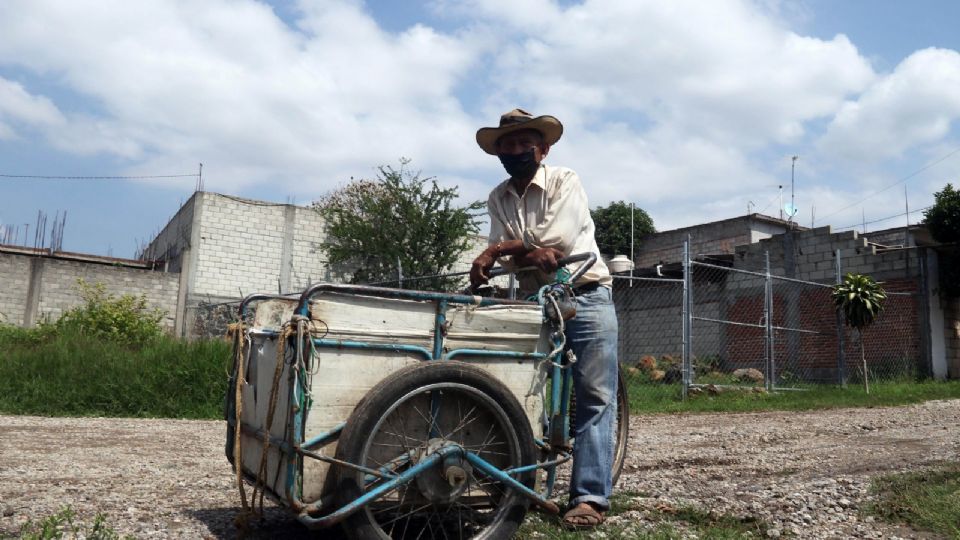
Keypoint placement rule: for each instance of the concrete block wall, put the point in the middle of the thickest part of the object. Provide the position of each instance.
(951, 331)
(240, 247)
(308, 262)
(810, 255)
(43, 288)
(708, 239)
(650, 319)
(174, 238)
(15, 276)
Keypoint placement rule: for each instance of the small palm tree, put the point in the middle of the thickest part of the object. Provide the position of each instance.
(860, 298)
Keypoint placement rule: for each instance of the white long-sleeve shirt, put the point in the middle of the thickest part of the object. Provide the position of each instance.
(553, 212)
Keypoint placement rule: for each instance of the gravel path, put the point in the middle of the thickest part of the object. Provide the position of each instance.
(806, 473)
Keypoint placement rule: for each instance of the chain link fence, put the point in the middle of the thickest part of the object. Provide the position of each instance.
(727, 324)
(649, 311)
(720, 326)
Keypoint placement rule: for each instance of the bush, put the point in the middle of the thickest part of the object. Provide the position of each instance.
(104, 316)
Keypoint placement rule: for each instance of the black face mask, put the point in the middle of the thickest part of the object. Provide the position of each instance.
(520, 166)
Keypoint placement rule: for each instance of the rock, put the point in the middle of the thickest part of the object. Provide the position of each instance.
(647, 363)
(748, 375)
(773, 533)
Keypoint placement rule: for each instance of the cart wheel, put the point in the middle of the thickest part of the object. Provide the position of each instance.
(411, 414)
(621, 429)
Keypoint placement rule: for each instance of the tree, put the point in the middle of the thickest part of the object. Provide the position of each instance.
(399, 221)
(943, 222)
(943, 218)
(860, 299)
(613, 227)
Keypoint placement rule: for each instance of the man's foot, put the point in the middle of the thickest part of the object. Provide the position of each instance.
(583, 516)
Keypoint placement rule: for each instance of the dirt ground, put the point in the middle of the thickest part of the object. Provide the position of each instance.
(805, 473)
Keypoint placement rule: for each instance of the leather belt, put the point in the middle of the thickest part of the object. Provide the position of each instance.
(586, 287)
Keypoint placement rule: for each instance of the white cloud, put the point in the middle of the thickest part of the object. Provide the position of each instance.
(229, 84)
(914, 105)
(685, 107)
(17, 106)
(719, 69)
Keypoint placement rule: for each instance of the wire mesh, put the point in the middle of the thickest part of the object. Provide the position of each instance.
(892, 345)
(650, 348)
(805, 338)
(728, 327)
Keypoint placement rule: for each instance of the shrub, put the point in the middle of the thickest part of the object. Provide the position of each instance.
(124, 319)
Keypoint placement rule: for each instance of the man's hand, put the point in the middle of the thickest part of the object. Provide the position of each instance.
(543, 258)
(480, 271)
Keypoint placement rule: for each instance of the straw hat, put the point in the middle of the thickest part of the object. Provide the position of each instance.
(515, 120)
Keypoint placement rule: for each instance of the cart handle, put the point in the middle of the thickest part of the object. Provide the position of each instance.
(589, 257)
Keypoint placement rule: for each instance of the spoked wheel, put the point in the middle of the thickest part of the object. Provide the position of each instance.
(621, 428)
(411, 415)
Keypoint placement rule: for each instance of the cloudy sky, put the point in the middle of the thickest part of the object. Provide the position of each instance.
(691, 109)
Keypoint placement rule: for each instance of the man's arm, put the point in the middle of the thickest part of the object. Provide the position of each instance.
(542, 258)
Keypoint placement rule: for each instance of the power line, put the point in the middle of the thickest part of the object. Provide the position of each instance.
(901, 214)
(42, 177)
(900, 181)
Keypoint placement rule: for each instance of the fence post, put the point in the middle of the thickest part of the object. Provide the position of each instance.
(768, 317)
(841, 356)
(686, 316)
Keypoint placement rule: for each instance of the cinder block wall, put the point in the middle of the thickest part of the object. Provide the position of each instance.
(43, 288)
(709, 239)
(951, 332)
(174, 238)
(15, 276)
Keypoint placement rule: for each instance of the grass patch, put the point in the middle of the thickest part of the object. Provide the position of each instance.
(73, 374)
(927, 500)
(663, 522)
(63, 525)
(651, 398)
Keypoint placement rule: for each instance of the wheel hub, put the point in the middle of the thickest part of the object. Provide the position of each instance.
(448, 479)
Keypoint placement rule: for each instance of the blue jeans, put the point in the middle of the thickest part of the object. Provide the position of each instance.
(592, 335)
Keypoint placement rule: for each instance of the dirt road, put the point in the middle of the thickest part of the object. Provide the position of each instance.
(806, 473)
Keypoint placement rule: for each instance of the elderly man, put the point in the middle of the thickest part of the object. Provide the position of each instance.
(537, 216)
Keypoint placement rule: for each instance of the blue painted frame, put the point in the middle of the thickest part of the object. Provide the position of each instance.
(297, 449)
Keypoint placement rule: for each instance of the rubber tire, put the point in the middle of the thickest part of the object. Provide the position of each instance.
(384, 395)
(622, 429)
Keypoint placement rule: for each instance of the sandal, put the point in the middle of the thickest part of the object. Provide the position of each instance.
(582, 517)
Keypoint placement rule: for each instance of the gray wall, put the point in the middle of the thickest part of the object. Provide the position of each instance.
(44, 287)
(721, 237)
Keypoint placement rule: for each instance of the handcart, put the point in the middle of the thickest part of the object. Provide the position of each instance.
(405, 413)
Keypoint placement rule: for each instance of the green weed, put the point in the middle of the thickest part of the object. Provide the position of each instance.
(63, 525)
(926, 500)
(75, 374)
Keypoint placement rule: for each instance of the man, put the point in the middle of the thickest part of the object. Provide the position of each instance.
(537, 216)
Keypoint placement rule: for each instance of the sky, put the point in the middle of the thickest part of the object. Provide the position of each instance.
(692, 110)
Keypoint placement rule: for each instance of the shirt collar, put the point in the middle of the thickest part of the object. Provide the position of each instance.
(539, 180)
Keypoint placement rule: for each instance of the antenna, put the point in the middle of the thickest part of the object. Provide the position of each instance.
(781, 202)
(906, 206)
(793, 207)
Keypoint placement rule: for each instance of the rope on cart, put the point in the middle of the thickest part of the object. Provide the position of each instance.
(239, 340)
(258, 487)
